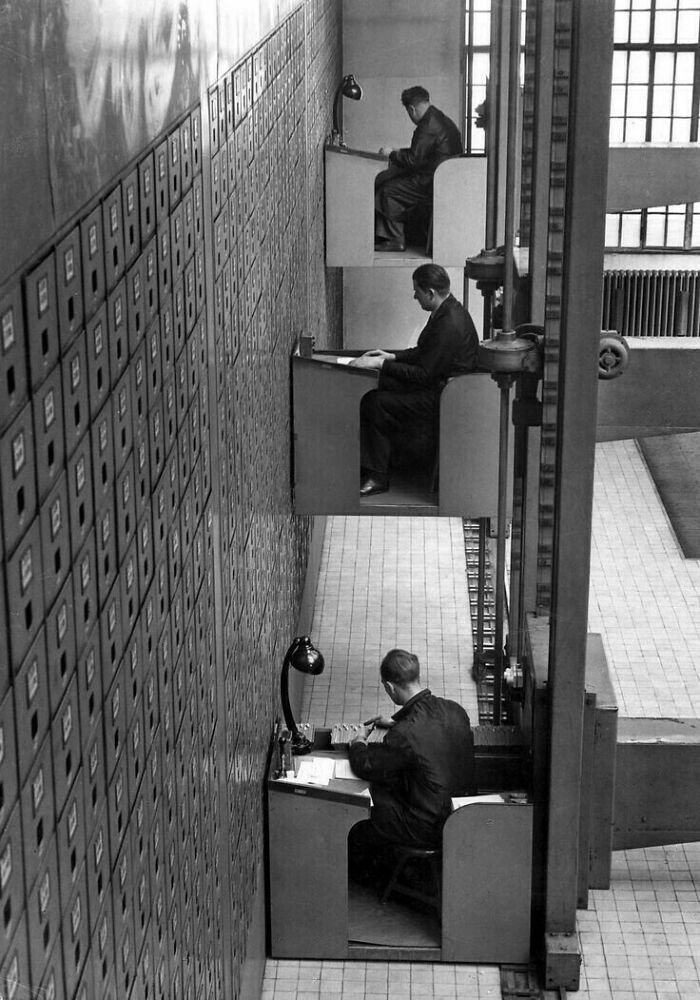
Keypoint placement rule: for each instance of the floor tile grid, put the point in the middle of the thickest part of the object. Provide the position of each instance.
(386, 582)
(639, 940)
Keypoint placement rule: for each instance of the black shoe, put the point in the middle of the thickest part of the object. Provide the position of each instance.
(389, 246)
(371, 485)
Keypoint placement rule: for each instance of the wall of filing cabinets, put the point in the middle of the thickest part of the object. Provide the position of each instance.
(152, 569)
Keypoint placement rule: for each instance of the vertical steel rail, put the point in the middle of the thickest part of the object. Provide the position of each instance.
(511, 154)
(505, 381)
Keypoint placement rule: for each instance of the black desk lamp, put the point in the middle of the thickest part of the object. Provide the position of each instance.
(348, 87)
(303, 656)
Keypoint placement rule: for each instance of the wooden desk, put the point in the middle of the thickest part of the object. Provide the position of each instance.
(487, 859)
(326, 419)
(308, 842)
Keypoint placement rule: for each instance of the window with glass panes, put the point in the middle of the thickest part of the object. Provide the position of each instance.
(655, 89)
(477, 35)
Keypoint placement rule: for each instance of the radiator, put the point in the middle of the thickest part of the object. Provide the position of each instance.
(652, 303)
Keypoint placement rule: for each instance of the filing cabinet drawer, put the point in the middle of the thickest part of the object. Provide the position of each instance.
(167, 333)
(113, 229)
(94, 775)
(123, 430)
(154, 370)
(43, 921)
(106, 550)
(181, 388)
(144, 553)
(177, 243)
(162, 182)
(179, 316)
(136, 755)
(76, 395)
(38, 814)
(69, 282)
(25, 601)
(102, 434)
(85, 593)
(161, 591)
(138, 370)
(136, 304)
(75, 933)
(65, 740)
(164, 263)
(147, 197)
(117, 326)
(90, 689)
(98, 361)
(18, 482)
(42, 319)
(151, 709)
(129, 590)
(71, 839)
(13, 361)
(157, 442)
(33, 712)
(169, 415)
(93, 265)
(61, 643)
(14, 969)
(111, 633)
(186, 154)
(115, 720)
(103, 954)
(133, 669)
(142, 469)
(118, 807)
(174, 176)
(80, 498)
(130, 211)
(126, 506)
(55, 539)
(97, 865)
(150, 281)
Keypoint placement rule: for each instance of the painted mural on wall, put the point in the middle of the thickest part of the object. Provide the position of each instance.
(86, 84)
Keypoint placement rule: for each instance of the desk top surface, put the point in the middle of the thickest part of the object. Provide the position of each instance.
(352, 791)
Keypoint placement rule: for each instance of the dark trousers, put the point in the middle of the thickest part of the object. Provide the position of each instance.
(396, 198)
(390, 420)
(371, 843)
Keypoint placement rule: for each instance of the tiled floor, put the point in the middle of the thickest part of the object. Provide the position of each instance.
(390, 581)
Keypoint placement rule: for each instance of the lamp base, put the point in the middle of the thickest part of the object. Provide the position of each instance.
(300, 744)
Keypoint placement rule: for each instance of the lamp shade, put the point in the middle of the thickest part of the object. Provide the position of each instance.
(350, 88)
(303, 656)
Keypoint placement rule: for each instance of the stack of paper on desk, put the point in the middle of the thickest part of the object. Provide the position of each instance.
(315, 770)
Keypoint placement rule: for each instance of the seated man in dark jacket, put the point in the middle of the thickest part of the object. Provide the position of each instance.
(406, 402)
(408, 182)
(426, 758)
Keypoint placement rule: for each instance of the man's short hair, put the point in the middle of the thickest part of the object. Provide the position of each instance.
(400, 667)
(414, 95)
(433, 276)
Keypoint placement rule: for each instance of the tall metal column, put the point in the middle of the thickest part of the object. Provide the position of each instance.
(590, 38)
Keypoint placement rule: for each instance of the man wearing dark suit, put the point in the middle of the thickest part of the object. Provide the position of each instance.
(426, 758)
(406, 401)
(408, 183)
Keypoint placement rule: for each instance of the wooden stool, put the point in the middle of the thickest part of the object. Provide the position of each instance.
(432, 857)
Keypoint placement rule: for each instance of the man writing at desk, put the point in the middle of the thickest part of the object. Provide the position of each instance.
(408, 182)
(407, 398)
(426, 758)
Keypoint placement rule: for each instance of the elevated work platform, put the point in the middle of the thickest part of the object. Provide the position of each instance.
(459, 211)
(326, 402)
